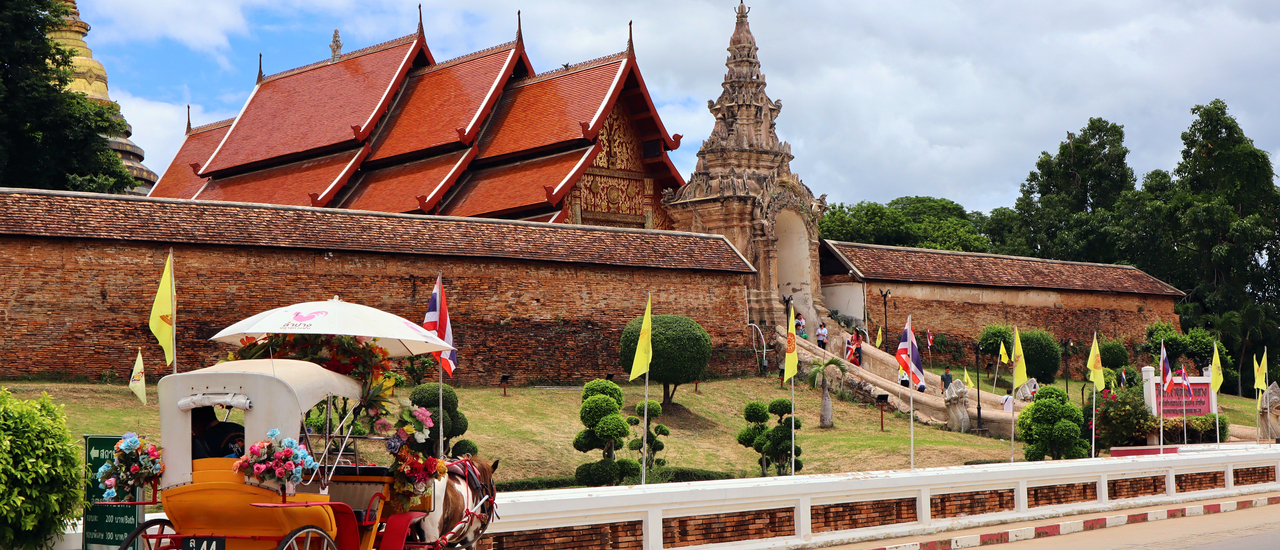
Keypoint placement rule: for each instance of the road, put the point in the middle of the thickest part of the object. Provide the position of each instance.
(1251, 529)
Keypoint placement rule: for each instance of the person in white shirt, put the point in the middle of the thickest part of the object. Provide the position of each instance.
(822, 335)
(1007, 401)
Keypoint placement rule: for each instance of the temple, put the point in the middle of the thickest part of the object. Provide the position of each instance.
(389, 129)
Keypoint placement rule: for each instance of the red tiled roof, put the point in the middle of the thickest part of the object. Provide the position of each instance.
(60, 214)
(894, 263)
(397, 189)
(439, 100)
(289, 184)
(551, 107)
(314, 106)
(519, 186)
(179, 180)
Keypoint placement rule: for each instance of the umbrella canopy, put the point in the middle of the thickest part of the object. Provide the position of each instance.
(399, 336)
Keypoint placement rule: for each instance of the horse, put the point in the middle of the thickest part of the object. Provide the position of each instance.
(468, 482)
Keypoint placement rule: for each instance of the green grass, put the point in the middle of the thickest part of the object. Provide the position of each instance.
(532, 430)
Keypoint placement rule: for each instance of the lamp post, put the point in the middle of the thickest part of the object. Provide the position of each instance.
(884, 293)
(977, 351)
(1067, 349)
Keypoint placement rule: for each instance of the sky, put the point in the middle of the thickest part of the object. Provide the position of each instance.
(880, 99)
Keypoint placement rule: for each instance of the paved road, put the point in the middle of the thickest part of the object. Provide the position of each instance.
(1251, 529)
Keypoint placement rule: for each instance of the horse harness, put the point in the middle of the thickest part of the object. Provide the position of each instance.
(466, 471)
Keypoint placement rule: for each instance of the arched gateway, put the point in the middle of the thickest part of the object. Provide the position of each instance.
(743, 188)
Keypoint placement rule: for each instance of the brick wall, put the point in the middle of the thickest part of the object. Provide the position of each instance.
(1200, 481)
(1135, 487)
(1254, 476)
(714, 528)
(857, 515)
(1050, 495)
(970, 504)
(79, 306)
(609, 536)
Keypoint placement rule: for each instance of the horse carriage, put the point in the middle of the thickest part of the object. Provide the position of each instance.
(320, 503)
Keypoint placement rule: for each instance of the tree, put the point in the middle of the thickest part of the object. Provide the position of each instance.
(1113, 354)
(605, 430)
(757, 414)
(921, 222)
(681, 351)
(1043, 355)
(40, 470)
(819, 377)
(651, 434)
(1068, 200)
(50, 138)
(1051, 426)
(452, 422)
(775, 443)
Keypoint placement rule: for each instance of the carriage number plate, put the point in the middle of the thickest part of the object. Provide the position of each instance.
(204, 543)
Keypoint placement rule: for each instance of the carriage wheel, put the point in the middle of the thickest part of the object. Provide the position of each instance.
(153, 527)
(308, 537)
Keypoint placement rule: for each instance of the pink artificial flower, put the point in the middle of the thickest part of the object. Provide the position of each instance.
(289, 465)
(279, 454)
(110, 482)
(280, 473)
(402, 434)
(259, 468)
(286, 454)
(255, 449)
(382, 425)
(133, 469)
(153, 453)
(423, 416)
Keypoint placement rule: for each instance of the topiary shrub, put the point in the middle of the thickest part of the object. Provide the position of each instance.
(597, 474)
(681, 350)
(1043, 355)
(653, 432)
(992, 336)
(1113, 354)
(605, 430)
(1051, 426)
(628, 468)
(464, 447)
(452, 422)
(40, 471)
(757, 414)
(774, 444)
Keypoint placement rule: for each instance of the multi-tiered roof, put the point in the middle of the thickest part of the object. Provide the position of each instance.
(389, 129)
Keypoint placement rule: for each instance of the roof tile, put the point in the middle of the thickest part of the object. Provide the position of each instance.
(894, 263)
(288, 184)
(38, 213)
(548, 109)
(515, 187)
(179, 180)
(396, 189)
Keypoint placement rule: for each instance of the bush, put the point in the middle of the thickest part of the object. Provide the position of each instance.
(693, 474)
(628, 468)
(1051, 426)
(40, 471)
(465, 447)
(681, 350)
(605, 430)
(428, 395)
(597, 474)
(451, 421)
(1199, 429)
(419, 367)
(534, 483)
(1113, 354)
(651, 433)
(1123, 418)
(602, 387)
(992, 336)
(1043, 355)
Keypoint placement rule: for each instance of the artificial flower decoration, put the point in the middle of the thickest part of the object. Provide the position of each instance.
(136, 464)
(275, 459)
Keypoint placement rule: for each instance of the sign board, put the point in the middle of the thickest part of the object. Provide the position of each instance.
(1199, 402)
(105, 526)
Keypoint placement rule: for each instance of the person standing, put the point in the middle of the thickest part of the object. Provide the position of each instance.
(1007, 401)
(946, 380)
(800, 327)
(822, 335)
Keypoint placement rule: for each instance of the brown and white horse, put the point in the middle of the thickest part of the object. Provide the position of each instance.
(469, 481)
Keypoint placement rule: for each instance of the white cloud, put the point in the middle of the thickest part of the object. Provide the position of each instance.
(159, 127)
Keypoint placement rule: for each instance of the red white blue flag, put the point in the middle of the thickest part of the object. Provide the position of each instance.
(929, 334)
(1165, 370)
(437, 321)
(909, 355)
(848, 348)
(1186, 384)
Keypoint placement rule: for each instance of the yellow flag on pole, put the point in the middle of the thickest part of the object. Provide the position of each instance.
(162, 312)
(792, 359)
(1095, 366)
(1215, 382)
(1019, 362)
(879, 336)
(137, 380)
(967, 382)
(1260, 372)
(1004, 355)
(644, 346)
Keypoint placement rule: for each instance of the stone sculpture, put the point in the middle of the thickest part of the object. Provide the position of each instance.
(957, 399)
(1269, 424)
(1027, 390)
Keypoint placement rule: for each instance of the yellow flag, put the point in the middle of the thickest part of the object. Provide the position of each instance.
(162, 312)
(967, 381)
(1260, 372)
(1216, 381)
(1004, 355)
(1095, 366)
(879, 336)
(137, 381)
(793, 359)
(644, 346)
(1019, 362)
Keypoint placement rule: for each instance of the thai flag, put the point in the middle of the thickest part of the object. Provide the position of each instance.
(1186, 384)
(437, 321)
(909, 355)
(1165, 369)
(929, 334)
(848, 348)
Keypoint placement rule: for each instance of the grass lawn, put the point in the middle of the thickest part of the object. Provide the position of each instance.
(532, 430)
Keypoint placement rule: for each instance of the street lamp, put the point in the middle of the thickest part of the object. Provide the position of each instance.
(977, 351)
(1067, 351)
(884, 293)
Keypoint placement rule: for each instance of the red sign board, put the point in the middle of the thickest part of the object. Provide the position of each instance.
(1177, 401)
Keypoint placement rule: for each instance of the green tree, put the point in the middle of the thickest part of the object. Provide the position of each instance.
(605, 430)
(50, 138)
(651, 434)
(40, 471)
(1113, 353)
(775, 443)
(1051, 426)
(757, 414)
(452, 422)
(1043, 355)
(921, 222)
(681, 351)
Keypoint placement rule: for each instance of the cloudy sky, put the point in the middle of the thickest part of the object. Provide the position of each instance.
(881, 99)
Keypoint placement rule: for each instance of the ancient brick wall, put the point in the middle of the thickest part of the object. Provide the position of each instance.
(1200, 481)
(714, 528)
(960, 313)
(609, 536)
(1050, 495)
(970, 504)
(1254, 476)
(857, 515)
(1135, 487)
(81, 307)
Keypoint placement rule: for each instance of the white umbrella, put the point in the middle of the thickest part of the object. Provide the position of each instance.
(399, 336)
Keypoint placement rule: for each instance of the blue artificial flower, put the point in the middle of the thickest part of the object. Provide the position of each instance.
(289, 443)
(110, 494)
(393, 444)
(129, 435)
(101, 486)
(273, 434)
(130, 444)
(310, 463)
(156, 468)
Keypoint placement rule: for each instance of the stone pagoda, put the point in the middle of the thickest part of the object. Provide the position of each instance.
(743, 188)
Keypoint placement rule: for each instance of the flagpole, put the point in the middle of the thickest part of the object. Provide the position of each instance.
(1093, 444)
(911, 419)
(644, 446)
(440, 383)
(793, 425)
(1013, 430)
(1184, 406)
(173, 303)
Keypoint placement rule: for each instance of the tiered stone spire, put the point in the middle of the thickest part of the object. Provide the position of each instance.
(89, 77)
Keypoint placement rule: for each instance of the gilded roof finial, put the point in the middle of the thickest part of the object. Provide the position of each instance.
(335, 47)
(630, 47)
(188, 118)
(259, 68)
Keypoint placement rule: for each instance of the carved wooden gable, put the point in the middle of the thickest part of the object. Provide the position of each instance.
(615, 191)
